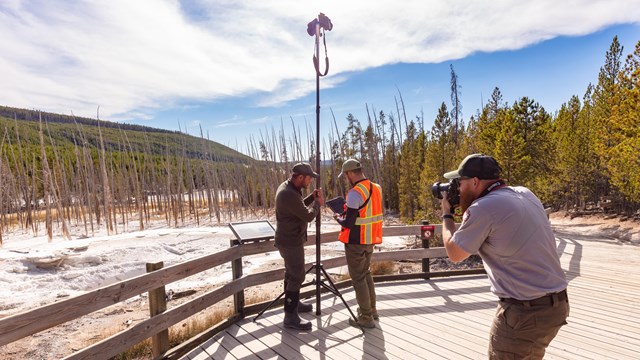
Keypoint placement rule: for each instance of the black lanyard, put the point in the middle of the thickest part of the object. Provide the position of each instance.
(496, 185)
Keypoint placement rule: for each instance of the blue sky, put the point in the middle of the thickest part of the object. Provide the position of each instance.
(240, 69)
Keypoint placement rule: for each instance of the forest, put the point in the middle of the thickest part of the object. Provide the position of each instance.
(88, 174)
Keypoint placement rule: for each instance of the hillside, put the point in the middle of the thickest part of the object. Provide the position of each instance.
(67, 131)
(87, 173)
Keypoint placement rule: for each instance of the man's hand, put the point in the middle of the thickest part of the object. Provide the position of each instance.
(317, 196)
(454, 252)
(444, 203)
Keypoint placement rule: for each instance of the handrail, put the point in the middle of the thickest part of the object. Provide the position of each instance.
(23, 324)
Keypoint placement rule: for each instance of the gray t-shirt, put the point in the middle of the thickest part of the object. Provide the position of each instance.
(354, 199)
(510, 231)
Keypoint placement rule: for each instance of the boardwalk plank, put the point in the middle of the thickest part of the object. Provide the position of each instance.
(450, 318)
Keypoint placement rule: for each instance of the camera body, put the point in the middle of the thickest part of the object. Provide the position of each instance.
(453, 194)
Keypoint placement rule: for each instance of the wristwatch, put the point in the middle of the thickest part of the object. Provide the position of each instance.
(447, 216)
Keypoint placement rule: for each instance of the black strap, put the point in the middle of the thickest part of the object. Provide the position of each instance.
(496, 185)
(366, 201)
(326, 57)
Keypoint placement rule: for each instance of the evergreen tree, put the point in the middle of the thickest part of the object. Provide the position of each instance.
(410, 167)
(485, 130)
(509, 148)
(573, 168)
(533, 125)
(352, 138)
(623, 160)
(605, 99)
(439, 157)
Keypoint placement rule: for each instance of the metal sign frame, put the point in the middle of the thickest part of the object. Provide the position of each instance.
(258, 230)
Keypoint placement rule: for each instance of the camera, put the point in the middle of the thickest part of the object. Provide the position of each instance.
(453, 195)
(324, 22)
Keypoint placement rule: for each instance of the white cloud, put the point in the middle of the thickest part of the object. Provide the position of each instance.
(136, 56)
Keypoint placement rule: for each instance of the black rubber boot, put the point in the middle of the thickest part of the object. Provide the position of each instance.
(291, 318)
(302, 307)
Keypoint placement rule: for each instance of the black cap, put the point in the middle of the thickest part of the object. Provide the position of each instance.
(304, 169)
(477, 165)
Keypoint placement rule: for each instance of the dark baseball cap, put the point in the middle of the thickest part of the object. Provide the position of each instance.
(477, 165)
(304, 169)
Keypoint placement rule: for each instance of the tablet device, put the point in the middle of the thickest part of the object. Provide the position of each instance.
(336, 204)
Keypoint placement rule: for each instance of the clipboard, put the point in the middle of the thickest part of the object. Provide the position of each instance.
(336, 204)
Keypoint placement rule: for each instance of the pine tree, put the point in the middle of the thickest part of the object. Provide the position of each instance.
(623, 160)
(485, 131)
(533, 126)
(605, 100)
(410, 169)
(509, 148)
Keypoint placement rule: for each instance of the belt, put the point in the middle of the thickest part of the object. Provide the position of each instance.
(548, 299)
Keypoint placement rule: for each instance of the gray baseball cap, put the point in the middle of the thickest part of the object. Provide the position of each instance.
(350, 165)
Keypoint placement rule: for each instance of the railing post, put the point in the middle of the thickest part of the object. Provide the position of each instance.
(158, 305)
(236, 273)
(426, 232)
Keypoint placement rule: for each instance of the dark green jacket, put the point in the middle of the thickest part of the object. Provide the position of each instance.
(293, 213)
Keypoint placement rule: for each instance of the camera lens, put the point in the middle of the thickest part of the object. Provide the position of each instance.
(438, 188)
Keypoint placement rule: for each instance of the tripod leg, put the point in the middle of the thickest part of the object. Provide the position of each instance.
(268, 306)
(336, 292)
(311, 268)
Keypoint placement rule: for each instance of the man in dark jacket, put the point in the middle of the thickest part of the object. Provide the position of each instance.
(293, 213)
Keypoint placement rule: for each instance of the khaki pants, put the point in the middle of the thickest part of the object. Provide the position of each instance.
(524, 332)
(358, 263)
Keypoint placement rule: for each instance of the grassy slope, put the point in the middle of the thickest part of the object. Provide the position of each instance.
(65, 132)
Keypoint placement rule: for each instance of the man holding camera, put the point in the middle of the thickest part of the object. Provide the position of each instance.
(293, 213)
(361, 230)
(508, 227)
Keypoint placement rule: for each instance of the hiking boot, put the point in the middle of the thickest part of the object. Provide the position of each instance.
(374, 313)
(364, 321)
(304, 308)
(293, 321)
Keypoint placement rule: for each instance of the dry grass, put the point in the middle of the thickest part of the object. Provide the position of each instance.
(383, 268)
(377, 268)
(180, 332)
(188, 329)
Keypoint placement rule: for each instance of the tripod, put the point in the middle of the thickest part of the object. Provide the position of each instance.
(319, 282)
(313, 28)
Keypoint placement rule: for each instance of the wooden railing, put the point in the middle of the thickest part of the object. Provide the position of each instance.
(24, 324)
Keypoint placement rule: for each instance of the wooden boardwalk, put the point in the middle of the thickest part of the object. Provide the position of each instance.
(450, 318)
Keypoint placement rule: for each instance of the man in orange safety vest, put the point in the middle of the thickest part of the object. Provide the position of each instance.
(361, 229)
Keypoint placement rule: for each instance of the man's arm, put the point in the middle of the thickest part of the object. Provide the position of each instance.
(296, 207)
(454, 252)
(349, 218)
(354, 201)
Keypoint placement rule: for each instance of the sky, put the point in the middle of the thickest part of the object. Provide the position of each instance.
(241, 70)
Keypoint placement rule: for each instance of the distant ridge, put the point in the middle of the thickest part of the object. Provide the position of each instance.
(64, 131)
(33, 115)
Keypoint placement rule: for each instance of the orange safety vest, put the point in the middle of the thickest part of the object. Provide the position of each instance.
(368, 226)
